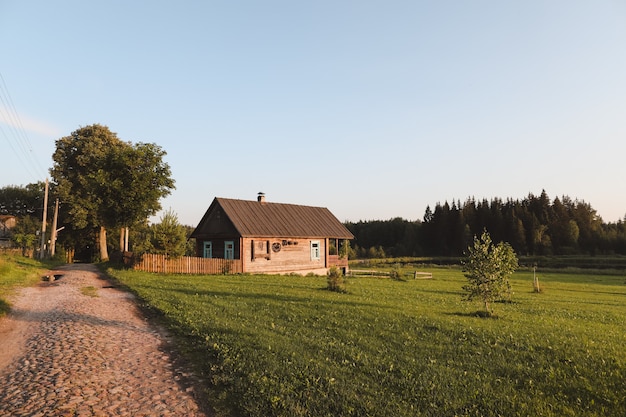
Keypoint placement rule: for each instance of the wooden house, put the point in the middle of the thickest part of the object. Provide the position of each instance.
(271, 237)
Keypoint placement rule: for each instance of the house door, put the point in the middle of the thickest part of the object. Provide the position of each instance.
(229, 249)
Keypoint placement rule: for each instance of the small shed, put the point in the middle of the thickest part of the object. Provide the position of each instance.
(271, 237)
(7, 222)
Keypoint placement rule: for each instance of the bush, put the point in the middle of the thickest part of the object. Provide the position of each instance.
(335, 279)
(396, 273)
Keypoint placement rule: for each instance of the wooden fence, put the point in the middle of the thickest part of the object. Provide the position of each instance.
(187, 265)
(377, 273)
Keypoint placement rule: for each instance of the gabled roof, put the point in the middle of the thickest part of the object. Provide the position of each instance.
(263, 219)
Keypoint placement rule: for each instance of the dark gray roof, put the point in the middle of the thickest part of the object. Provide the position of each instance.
(263, 219)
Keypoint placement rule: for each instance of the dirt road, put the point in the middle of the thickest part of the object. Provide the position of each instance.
(79, 347)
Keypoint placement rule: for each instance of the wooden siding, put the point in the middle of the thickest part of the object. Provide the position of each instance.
(187, 265)
(218, 247)
(294, 256)
(335, 260)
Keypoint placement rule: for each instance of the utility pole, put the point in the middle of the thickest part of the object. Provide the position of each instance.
(43, 224)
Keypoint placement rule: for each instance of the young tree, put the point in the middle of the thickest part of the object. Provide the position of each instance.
(25, 234)
(169, 237)
(108, 183)
(487, 268)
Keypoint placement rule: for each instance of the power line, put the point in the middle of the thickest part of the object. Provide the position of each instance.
(18, 138)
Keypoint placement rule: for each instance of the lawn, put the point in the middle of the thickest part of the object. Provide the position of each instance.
(17, 271)
(285, 346)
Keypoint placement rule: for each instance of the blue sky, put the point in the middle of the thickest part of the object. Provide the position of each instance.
(374, 109)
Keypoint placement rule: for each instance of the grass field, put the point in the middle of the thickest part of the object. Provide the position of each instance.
(17, 271)
(285, 346)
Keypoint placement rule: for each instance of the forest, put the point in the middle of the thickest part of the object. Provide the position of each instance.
(535, 225)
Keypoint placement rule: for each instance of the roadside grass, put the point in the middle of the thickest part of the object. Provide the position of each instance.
(286, 346)
(89, 291)
(17, 271)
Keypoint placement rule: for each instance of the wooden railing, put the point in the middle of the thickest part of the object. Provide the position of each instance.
(187, 265)
(335, 260)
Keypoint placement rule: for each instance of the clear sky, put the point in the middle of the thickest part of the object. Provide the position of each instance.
(374, 109)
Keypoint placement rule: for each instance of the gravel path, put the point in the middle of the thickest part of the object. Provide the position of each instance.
(64, 352)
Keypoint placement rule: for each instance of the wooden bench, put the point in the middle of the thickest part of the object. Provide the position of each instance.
(423, 275)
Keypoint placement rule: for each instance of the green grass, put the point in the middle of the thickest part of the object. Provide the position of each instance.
(17, 271)
(285, 346)
(89, 291)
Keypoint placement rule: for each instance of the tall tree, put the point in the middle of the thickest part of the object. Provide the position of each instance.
(106, 182)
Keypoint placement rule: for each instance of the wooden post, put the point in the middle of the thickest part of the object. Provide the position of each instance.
(53, 233)
(124, 239)
(43, 224)
(102, 244)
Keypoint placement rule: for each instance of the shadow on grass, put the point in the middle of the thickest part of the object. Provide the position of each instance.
(5, 307)
(480, 314)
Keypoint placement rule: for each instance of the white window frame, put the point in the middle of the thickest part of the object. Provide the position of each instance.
(316, 250)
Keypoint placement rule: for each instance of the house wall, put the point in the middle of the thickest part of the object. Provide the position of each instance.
(218, 247)
(281, 256)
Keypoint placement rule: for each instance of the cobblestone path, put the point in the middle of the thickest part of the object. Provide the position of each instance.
(78, 347)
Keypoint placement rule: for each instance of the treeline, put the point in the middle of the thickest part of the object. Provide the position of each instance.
(534, 225)
(167, 236)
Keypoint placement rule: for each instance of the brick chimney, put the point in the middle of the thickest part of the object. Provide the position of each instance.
(261, 198)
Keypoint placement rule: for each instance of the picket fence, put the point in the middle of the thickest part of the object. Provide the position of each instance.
(186, 265)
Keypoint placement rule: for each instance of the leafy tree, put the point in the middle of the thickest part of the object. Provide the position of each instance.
(25, 234)
(20, 201)
(140, 240)
(107, 183)
(346, 252)
(376, 253)
(141, 179)
(25, 203)
(487, 268)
